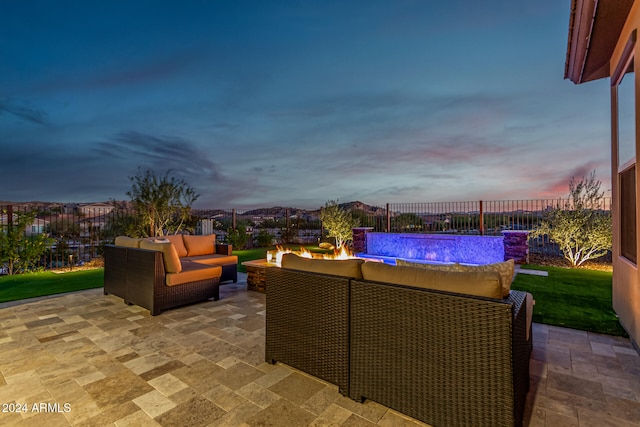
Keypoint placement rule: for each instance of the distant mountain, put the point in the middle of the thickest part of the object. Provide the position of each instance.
(373, 210)
(275, 211)
(32, 205)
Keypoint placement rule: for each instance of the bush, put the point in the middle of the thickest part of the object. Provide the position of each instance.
(581, 227)
(264, 238)
(20, 252)
(237, 237)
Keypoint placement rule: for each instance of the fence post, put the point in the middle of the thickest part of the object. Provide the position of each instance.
(233, 219)
(9, 217)
(286, 212)
(388, 219)
(481, 219)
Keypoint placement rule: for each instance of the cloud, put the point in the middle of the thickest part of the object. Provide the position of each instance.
(561, 185)
(161, 153)
(25, 113)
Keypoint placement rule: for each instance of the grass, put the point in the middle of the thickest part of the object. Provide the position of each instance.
(31, 285)
(572, 298)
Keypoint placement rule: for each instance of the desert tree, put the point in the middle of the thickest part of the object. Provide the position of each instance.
(580, 225)
(338, 222)
(162, 202)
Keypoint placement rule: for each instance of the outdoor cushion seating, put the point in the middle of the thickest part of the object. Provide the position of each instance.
(445, 358)
(504, 269)
(169, 271)
(200, 249)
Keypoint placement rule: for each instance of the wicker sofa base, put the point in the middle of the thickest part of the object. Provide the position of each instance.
(443, 358)
(307, 324)
(138, 277)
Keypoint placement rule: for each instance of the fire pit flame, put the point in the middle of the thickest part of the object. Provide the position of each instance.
(342, 253)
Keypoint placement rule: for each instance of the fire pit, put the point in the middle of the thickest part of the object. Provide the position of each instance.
(256, 269)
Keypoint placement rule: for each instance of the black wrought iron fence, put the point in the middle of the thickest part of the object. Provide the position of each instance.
(76, 233)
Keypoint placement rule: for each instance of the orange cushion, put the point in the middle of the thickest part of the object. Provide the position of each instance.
(200, 245)
(176, 239)
(193, 272)
(169, 254)
(336, 267)
(213, 259)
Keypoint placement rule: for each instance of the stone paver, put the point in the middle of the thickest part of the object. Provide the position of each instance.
(86, 359)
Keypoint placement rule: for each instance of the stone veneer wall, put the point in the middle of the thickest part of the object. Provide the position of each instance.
(516, 246)
(360, 239)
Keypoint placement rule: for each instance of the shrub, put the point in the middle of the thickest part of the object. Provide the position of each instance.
(237, 237)
(338, 222)
(581, 227)
(264, 238)
(20, 252)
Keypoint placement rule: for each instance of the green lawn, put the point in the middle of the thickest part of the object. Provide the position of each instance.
(30, 285)
(573, 298)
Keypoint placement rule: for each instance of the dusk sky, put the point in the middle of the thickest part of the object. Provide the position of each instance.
(293, 103)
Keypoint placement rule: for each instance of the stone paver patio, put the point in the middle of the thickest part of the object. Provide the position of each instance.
(85, 359)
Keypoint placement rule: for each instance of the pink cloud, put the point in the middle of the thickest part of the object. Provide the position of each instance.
(561, 185)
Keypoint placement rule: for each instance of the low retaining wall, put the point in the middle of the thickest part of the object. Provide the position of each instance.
(443, 247)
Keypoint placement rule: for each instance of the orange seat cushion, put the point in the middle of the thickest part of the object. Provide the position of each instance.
(169, 254)
(200, 245)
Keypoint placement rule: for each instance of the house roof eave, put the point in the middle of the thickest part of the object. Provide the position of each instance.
(594, 29)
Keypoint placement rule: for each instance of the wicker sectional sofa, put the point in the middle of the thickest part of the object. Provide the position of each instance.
(445, 358)
(166, 272)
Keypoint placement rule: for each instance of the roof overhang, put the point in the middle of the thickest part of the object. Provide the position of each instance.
(594, 29)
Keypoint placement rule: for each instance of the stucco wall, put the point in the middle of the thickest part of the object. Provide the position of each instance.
(626, 283)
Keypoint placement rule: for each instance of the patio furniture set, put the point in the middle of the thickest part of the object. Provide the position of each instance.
(446, 344)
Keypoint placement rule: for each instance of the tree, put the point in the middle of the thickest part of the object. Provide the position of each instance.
(581, 226)
(163, 203)
(19, 251)
(338, 222)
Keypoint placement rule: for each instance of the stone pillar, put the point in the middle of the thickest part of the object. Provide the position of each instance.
(516, 246)
(360, 239)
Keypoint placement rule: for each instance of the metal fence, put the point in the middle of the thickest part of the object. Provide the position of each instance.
(76, 233)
